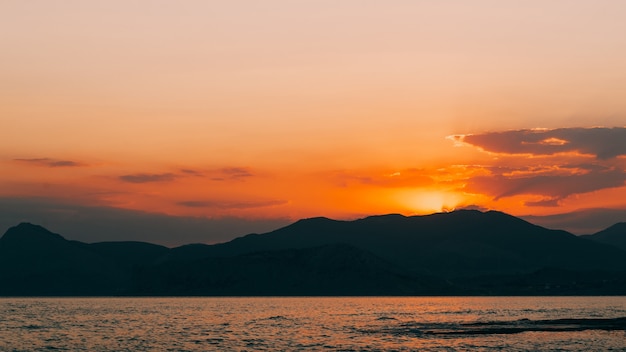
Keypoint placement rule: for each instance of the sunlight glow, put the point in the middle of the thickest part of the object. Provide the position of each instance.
(429, 201)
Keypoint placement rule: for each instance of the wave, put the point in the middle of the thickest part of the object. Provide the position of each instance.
(508, 327)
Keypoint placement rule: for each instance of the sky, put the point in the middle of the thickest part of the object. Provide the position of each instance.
(242, 116)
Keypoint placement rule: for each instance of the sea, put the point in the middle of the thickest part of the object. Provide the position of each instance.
(314, 324)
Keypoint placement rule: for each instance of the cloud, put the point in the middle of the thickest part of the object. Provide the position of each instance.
(48, 162)
(573, 161)
(146, 178)
(553, 187)
(232, 173)
(472, 207)
(224, 174)
(100, 223)
(236, 172)
(401, 178)
(230, 205)
(580, 222)
(550, 202)
(603, 143)
(191, 172)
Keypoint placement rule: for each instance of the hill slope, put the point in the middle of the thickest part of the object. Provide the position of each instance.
(464, 252)
(35, 260)
(614, 236)
(457, 244)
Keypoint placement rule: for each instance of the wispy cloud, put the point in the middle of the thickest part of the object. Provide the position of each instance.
(472, 207)
(553, 202)
(48, 162)
(603, 143)
(237, 172)
(554, 186)
(191, 172)
(570, 161)
(231, 204)
(147, 178)
(390, 179)
(232, 173)
(223, 174)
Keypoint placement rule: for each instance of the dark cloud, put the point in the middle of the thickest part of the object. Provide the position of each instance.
(580, 222)
(603, 143)
(146, 178)
(47, 162)
(553, 187)
(587, 167)
(472, 207)
(224, 174)
(551, 202)
(191, 172)
(232, 173)
(98, 223)
(230, 205)
(237, 172)
(565, 168)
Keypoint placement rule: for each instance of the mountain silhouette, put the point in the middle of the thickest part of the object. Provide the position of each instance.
(34, 260)
(457, 244)
(129, 252)
(462, 252)
(324, 270)
(614, 235)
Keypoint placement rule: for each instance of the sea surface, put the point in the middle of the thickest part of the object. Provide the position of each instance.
(314, 323)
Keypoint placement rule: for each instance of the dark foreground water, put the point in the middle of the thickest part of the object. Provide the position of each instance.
(343, 324)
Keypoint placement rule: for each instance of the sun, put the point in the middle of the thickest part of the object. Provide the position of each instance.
(429, 201)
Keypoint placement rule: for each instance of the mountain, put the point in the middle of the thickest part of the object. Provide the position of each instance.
(35, 260)
(462, 252)
(336, 270)
(129, 252)
(457, 244)
(614, 236)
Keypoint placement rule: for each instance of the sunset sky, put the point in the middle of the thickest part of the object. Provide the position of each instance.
(250, 114)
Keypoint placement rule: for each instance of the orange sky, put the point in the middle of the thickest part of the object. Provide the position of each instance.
(290, 109)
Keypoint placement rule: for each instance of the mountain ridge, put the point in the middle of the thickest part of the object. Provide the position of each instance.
(614, 235)
(461, 252)
(452, 234)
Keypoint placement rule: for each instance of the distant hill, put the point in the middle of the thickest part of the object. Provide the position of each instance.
(579, 222)
(458, 244)
(614, 236)
(34, 260)
(130, 252)
(462, 252)
(325, 270)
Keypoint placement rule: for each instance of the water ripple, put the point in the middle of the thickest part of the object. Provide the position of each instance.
(313, 324)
